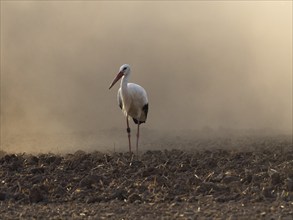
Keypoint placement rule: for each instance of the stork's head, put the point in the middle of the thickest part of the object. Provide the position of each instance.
(124, 70)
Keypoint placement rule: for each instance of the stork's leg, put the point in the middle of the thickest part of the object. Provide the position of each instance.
(128, 132)
(137, 137)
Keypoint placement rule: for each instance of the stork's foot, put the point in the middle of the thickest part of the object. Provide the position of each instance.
(130, 156)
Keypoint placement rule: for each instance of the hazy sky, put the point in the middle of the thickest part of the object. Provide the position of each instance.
(202, 63)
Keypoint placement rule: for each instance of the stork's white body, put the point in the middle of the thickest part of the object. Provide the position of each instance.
(132, 99)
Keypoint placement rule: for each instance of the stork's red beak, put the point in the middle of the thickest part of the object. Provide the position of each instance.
(119, 75)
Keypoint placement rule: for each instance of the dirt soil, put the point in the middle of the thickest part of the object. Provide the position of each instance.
(219, 183)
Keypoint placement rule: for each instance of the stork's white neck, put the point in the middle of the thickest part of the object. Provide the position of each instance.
(124, 82)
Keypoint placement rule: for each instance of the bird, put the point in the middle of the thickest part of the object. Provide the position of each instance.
(132, 99)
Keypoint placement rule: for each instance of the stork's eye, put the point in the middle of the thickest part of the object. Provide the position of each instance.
(124, 68)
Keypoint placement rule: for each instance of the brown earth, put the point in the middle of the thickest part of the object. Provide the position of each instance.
(255, 182)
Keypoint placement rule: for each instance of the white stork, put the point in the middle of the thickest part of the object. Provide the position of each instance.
(132, 99)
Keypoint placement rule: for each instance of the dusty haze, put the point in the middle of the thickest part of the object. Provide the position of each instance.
(204, 65)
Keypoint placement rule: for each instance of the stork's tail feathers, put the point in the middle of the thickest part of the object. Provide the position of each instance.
(136, 121)
(145, 111)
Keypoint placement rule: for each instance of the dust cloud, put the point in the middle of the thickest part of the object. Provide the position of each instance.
(205, 65)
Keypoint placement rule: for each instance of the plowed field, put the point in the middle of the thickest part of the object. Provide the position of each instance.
(211, 183)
